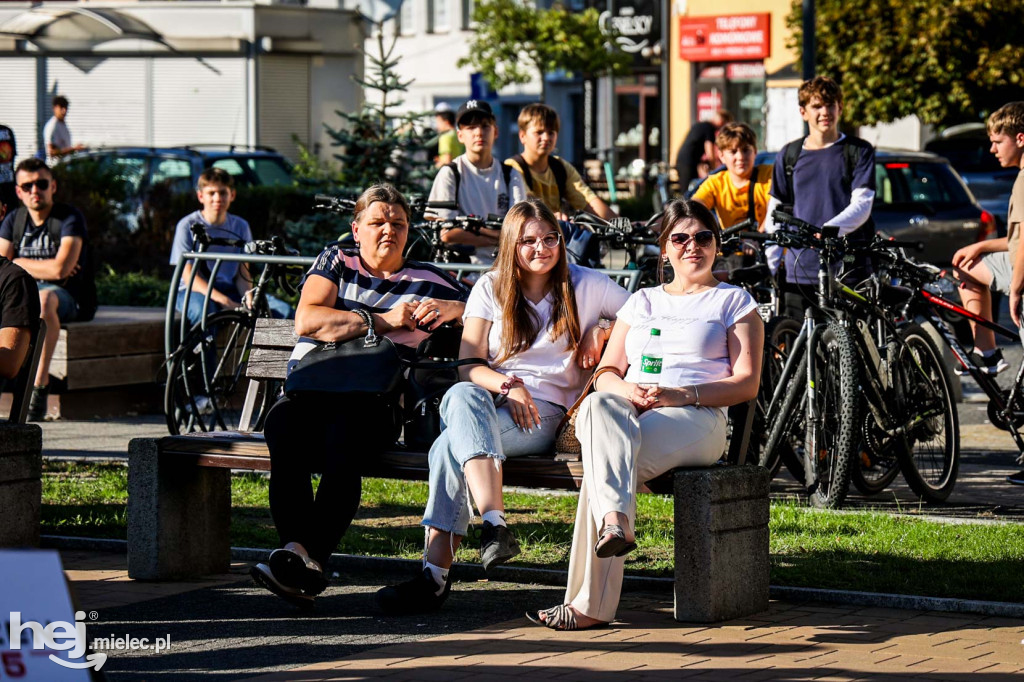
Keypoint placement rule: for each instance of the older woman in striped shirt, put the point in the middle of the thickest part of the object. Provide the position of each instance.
(344, 291)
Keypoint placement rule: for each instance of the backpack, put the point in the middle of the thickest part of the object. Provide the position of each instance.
(506, 173)
(851, 155)
(557, 169)
(82, 285)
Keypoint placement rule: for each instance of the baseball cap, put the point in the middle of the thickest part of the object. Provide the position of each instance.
(473, 106)
(442, 107)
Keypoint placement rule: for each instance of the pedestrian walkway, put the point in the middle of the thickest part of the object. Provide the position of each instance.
(219, 626)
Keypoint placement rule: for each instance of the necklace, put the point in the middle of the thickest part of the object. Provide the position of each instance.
(686, 292)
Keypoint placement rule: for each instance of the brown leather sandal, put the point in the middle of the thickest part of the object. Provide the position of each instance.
(613, 542)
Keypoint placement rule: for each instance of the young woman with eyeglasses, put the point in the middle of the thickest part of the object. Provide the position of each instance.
(541, 324)
(711, 339)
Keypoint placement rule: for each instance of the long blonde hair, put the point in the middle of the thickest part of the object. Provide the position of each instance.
(520, 324)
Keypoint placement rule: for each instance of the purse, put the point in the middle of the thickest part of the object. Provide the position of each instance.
(435, 370)
(566, 442)
(370, 365)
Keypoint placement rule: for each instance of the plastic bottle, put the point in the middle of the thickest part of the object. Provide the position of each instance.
(650, 361)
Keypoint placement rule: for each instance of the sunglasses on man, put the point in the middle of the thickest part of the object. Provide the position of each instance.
(42, 183)
(703, 239)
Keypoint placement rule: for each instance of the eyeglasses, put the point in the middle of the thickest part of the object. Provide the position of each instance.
(549, 241)
(42, 183)
(703, 239)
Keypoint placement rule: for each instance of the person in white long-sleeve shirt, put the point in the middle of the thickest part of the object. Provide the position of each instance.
(826, 178)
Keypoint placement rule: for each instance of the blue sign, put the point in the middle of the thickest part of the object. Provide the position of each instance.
(479, 88)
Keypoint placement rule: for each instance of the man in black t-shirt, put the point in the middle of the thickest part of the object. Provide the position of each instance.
(49, 241)
(19, 316)
(697, 154)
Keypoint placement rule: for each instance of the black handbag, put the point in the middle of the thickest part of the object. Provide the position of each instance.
(435, 370)
(370, 365)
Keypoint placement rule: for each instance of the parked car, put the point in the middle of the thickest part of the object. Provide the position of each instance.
(177, 169)
(967, 146)
(919, 196)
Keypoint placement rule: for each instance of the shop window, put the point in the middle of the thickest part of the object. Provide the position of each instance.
(437, 13)
(407, 18)
(467, 14)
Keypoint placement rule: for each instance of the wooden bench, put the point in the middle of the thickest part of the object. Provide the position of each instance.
(179, 501)
(109, 365)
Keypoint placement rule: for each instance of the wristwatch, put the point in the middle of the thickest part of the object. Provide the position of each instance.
(604, 324)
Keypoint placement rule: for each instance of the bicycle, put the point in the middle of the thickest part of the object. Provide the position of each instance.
(205, 388)
(639, 241)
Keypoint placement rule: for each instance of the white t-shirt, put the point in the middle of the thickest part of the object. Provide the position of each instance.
(56, 132)
(481, 193)
(694, 328)
(547, 368)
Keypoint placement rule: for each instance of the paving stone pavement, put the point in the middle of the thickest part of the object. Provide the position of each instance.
(223, 628)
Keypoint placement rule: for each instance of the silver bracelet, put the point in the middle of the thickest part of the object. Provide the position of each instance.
(696, 396)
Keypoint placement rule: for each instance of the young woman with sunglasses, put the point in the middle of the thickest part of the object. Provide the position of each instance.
(711, 337)
(537, 320)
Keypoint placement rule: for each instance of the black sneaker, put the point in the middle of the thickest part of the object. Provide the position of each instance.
(497, 545)
(37, 404)
(418, 595)
(993, 364)
(1017, 478)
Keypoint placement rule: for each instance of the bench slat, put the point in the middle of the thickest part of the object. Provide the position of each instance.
(268, 363)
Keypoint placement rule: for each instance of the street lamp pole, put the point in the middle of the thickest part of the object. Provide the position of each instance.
(809, 48)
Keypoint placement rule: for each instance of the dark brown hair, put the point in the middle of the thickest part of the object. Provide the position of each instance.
(539, 114)
(736, 136)
(383, 192)
(820, 86)
(33, 165)
(215, 176)
(678, 210)
(520, 325)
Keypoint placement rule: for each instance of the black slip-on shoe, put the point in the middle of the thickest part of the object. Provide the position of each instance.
(291, 568)
(418, 595)
(497, 545)
(264, 577)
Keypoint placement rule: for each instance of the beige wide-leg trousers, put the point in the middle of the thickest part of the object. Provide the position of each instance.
(621, 449)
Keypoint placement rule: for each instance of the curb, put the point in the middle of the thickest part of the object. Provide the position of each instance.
(548, 576)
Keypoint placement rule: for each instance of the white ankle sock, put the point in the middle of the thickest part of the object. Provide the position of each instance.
(496, 518)
(440, 576)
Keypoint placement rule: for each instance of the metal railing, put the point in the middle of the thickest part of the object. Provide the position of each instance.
(629, 279)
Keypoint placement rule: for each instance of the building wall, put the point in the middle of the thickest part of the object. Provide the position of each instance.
(682, 76)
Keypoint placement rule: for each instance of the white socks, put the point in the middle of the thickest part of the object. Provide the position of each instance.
(440, 576)
(496, 518)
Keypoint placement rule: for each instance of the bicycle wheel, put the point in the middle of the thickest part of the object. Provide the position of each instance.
(836, 426)
(779, 335)
(206, 383)
(877, 463)
(932, 458)
(785, 419)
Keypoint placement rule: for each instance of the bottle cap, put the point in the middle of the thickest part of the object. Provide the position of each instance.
(655, 332)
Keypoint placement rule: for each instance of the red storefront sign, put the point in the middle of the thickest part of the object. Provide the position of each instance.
(721, 38)
(707, 104)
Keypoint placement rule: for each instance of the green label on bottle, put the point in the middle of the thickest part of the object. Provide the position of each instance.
(650, 365)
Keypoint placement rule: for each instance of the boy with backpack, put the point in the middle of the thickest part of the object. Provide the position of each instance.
(741, 192)
(826, 179)
(476, 181)
(549, 178)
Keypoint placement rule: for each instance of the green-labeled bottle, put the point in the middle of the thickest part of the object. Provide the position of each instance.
(650, 361)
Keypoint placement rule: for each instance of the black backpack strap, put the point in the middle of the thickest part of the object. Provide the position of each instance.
(20, 227)
(561, 176)
(790, 153)
(851, 156)
(451, 165)
(751, 212)
(524, 168)
(506, 172)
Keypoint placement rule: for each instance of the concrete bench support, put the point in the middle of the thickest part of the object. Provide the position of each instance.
(21, 492)
(179, 516)
(721, 526)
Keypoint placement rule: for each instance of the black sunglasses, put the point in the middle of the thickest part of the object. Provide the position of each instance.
(703, 239)
(42, 183)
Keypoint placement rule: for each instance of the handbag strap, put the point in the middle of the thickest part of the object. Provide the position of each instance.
(371, 336)
(445, 364)
(590, 384)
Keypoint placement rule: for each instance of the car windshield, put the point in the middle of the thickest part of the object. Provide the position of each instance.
(966, 155)
(255, 170)
(915, 182)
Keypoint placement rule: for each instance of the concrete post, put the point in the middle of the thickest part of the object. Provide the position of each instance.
(21, 491)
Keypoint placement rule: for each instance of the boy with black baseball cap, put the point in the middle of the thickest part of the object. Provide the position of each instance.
(476, 181)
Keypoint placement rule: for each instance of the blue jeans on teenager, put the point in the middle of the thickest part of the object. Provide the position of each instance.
(278, 309)
(473, 426)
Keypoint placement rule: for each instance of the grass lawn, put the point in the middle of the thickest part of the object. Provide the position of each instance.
(809, 548)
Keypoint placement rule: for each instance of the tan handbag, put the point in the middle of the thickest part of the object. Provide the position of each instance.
(566, 442)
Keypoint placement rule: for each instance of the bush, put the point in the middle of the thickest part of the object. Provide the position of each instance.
(130, 288)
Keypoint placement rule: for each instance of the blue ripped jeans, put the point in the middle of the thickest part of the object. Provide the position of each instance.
(473, 427)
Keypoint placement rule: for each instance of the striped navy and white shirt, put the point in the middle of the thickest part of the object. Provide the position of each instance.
(358, 288)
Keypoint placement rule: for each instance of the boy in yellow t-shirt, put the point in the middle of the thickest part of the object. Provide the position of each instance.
(549, 178)
(728, 194)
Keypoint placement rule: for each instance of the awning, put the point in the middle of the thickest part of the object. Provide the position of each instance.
(77, 28)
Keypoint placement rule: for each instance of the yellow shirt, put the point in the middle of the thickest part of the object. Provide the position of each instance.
(729, 202)
(545, 188)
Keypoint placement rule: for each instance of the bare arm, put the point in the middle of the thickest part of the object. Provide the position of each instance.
(456, 235)
(7, 249)
(61, 266)
(474, 345)
(201, 286)
(601, 209)
(317, 318)
(14, 342)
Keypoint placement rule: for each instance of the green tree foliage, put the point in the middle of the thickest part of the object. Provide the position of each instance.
(948, 62)
(515, 42)
(377, 143)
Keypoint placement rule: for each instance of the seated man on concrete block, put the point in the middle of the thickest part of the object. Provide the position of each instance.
(49, 241)
(19, 317)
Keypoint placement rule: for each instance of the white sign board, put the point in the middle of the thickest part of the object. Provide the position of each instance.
(37, 615)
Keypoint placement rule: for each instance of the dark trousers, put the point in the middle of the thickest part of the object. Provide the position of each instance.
(325, 434)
